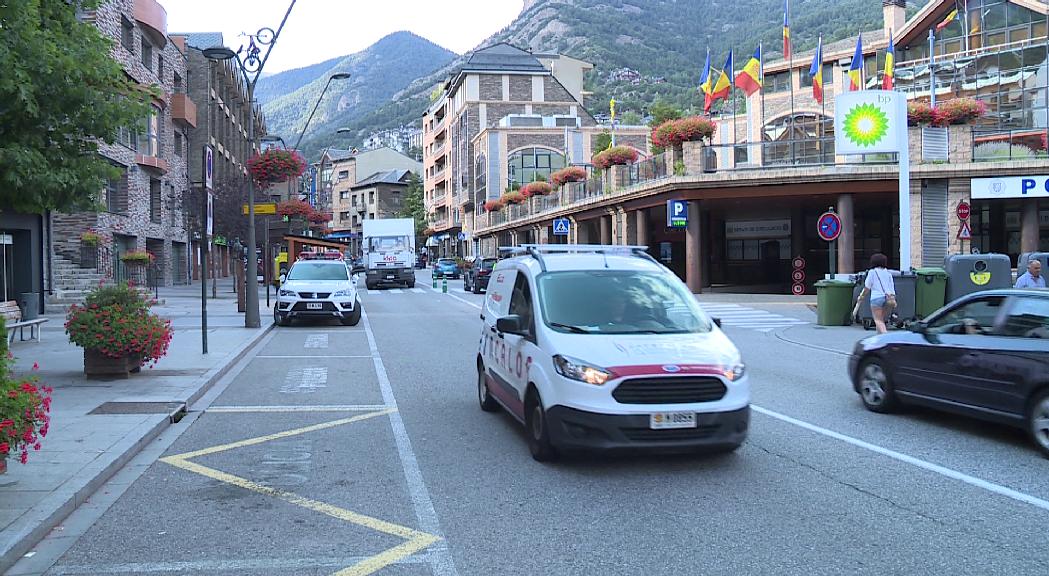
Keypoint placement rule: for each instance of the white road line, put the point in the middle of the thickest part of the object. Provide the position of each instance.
(305, 380)
(250, 565)
(317, 408)
(307, 356)
(395, 290)
(463, 300)
(316, 341)
(918, 462)
(418, 291)
(440, 557)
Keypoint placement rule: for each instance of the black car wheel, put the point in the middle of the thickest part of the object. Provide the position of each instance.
(281, 319)
(353, 318)
(876, 389)
(488, 404)
(466, 283)
(1038, 421)
(475, 288)
(538, 434)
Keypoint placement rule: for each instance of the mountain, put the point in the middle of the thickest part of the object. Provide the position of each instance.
(643, 50)
(378, 72)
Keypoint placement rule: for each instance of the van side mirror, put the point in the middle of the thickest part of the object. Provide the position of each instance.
(510, 325)
(717, 322)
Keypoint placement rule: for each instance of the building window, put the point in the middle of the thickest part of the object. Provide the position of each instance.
(527, 164)
(178, 144)
(147, 54)
(176, 83)
(127, 137)
(343, 195)
(154, 201)
(371, 197)
(116, 191)
(779, 82)
(343, 216)
(127, 34)
(805, 139)
(344, 174)
(160, 68)
(149, 144)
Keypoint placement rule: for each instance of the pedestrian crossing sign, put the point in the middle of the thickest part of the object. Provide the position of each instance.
(561, 227)
(965, 233)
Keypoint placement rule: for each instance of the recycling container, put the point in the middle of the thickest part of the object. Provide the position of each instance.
(834, 302)
(968, 273)
(29, 302)
(931, 291)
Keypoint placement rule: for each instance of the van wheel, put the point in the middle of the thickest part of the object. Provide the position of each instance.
(488, 404)
(538, 434)
(1038, 422)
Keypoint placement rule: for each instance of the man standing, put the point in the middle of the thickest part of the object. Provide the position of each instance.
(1033, 277)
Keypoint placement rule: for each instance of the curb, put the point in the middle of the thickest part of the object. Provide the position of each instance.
(51, 511)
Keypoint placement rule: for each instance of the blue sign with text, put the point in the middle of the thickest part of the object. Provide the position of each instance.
(677, 213)
(561, 226)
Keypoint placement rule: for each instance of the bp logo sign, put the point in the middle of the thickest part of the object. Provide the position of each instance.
(869, 121)
(866, 125)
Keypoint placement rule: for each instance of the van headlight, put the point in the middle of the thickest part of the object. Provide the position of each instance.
(288, 293)
(580, 371)
(735, 371)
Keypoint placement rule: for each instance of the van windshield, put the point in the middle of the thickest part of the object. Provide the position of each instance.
(619, 302)
(318, 271)
(387, 243)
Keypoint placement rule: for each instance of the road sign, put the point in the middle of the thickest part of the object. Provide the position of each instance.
(262, 209)
(561, 226)
(677, 214)
(209, 167)
(965, 233)
(797, 289)
(461, 236)
(829, 226)
(963, 210)
(798, 275)
(799, 262)
(211, 214)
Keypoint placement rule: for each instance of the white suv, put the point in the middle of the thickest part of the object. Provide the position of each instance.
(318, 288)
(602, 347)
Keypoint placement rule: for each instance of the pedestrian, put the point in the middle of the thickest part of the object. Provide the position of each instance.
(1033, 277)
(882, 291)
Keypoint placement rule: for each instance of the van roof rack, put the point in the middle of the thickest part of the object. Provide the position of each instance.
(537, 250)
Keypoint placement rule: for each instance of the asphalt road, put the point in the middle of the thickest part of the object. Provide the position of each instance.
(362, 450)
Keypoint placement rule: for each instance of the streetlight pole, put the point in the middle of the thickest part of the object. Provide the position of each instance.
(251, 68)
(336, 76)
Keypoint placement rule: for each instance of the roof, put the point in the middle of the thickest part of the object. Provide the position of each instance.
(503, 57)
(335, 155)
(202, 40)
(384, 177)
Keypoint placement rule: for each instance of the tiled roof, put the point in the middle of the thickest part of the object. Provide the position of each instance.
(202, 40)
(504, 58)
(384, 177)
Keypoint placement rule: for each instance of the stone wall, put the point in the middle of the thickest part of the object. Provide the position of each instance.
(521, 88)
(516, 141)
(490, 87)
(497, 112)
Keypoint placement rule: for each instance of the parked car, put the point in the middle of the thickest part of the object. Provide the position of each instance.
(447, 268)
(318, 287)
(985, 355)
(475, 278)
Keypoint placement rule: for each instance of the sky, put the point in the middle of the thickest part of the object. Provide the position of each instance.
(321, 29)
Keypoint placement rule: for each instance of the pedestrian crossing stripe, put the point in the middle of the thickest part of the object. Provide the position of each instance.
(737, 316)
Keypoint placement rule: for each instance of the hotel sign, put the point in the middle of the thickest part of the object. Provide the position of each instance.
(1010, 187)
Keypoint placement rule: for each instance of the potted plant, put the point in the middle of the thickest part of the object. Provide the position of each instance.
(566, 175)
(959, 111)
(920, 114)
(89, 241)
(276, 165)
(137, 257)
(681, 130)
(118, 332)
(512, 196)
(493, 205)
(537, 188)
(614, 156)
(24, 408)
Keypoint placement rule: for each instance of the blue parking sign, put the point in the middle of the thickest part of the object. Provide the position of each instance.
(677, 213)
(561, 226)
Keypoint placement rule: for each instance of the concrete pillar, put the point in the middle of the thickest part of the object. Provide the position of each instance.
(542, 234)
(847, 239)
(573, 231)
(1029, 225)
(606, 229)
(641, 226)
(629, 227)
(693, 249)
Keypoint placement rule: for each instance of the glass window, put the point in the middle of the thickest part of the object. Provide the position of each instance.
(160, 68)
(521, 304)
(778, 82)
(147, 54)
(387, 243)
(154, 201)
(318, 271)
(149, 143)
(527, 164)
(127, 34)
(1027, 318)
(975, 317)
(805, 139)
(619, 302)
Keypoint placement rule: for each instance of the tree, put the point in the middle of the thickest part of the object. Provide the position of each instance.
(60, 94)
(412, 206)
(601, 141)
(662, 111)
(631, 118)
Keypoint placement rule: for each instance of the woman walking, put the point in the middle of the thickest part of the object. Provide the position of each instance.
(882, 291)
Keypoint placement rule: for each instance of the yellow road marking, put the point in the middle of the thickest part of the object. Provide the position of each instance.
(415, 540)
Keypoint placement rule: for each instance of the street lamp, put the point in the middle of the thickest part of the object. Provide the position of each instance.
(322, 185)
(251, 69)
(336, 76)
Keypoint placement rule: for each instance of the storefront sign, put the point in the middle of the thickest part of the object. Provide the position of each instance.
(1010, 187)
(756, 229)
(871, 121)
(677, 214)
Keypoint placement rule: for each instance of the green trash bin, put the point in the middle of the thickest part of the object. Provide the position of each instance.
(931, 291)
(834, 302)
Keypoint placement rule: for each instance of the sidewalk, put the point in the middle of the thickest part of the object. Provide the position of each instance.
(87, 444)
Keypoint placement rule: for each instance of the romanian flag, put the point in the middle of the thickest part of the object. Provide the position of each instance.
(856, 69)
(706, 84)
(816, 72)
(749, 79)
(947, 21)
(890, 66)
(786, 30)
(723, 87)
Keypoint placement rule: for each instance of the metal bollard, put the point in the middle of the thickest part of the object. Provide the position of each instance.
(434, 282)
(444, 285)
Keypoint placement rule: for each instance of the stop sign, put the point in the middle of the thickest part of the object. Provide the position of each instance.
(963, 210)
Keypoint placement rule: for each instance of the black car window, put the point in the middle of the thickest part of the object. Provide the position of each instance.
(521, 304)
(1027, 318)
(974, 317)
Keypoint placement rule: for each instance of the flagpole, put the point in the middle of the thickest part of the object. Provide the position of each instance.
(823, 101)
(790, 78)
(932, 68)
(761, 123)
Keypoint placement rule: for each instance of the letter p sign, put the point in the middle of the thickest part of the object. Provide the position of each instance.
(1027, 184)
(677, 214)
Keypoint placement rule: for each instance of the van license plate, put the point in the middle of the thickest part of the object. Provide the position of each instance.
(314, 306)
(668, 420)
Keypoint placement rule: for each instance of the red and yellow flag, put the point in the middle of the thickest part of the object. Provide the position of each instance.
(889, 77)
(947, 21)
(786, 30)
(749, 79)
(816, 72)
(723, 87)
(856, 69)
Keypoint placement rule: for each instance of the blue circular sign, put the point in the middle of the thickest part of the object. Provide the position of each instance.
(829, 226)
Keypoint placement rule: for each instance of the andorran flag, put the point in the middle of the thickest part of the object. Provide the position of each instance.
(723, 87)
(947, 21)
(856, 69)
(816, 72)
(706, 84)
(888, 78)
(749, 79)
(786, 30)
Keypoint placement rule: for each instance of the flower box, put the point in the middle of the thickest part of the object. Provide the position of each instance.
(676, 132)
(566, 175)
(98, 365)
(615, 156)
(536, 189)
(512, 197)
(137, 257)
(276, 165)
(493, 205)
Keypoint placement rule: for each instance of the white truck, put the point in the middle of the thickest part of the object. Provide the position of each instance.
(389, 252)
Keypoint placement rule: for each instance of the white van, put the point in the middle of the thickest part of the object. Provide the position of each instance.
(602, 347)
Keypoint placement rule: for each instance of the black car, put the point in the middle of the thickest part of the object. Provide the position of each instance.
(985, 355)
(475, 278)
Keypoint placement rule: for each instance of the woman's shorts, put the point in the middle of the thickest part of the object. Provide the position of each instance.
(878, 302)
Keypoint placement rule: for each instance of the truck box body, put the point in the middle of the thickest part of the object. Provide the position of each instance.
(389, 251)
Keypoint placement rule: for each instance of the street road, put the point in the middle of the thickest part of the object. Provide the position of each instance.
(362, 450)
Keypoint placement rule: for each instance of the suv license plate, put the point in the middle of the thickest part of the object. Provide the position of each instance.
(668, 420)
(389, 276)
(314, 306)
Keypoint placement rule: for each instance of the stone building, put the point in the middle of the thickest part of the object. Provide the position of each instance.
(377, 196)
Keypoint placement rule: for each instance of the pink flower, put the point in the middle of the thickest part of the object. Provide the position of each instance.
(36, 366)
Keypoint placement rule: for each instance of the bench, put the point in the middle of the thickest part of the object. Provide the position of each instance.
(12, 315)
